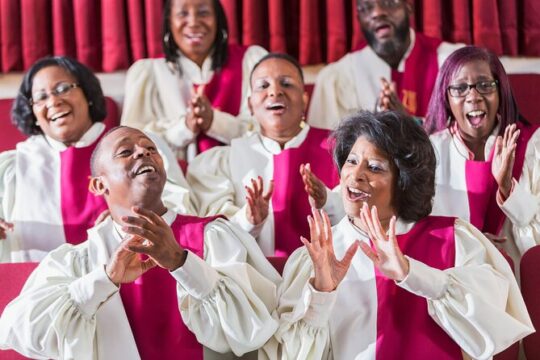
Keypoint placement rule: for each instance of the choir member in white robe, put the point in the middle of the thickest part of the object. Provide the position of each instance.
(230, 180)
(488, 171)
(44, 194)
(422, 287)
(196, 97)
(396, 69)
(148, 283)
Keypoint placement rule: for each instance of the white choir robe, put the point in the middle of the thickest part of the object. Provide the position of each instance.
(30, 193)
(522, 208)
(157, 99)
(69, 308)
(477, 302)
(218, 178)
(353, 83)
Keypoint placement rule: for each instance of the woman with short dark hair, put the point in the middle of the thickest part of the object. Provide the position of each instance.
(195, 98)
(44, 194)
(413, 291)
(488, 171)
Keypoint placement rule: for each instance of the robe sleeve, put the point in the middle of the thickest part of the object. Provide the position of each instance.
(303, 332)
(225, 126)
(144, 108)
(522, 207)
(233, 288)
(478, 302)
(54, 316)
(334, 95)
(7, 199)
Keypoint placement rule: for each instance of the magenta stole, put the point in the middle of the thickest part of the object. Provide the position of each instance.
(404, 328)
(80, 208)
(416, 83)
(151, 302)
(224, 91)
(289, 200)
(482, 188)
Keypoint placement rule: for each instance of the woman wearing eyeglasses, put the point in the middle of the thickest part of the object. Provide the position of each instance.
(44, 198)
(487, 171)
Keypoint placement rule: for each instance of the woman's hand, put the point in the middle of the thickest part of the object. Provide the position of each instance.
(159, 241)
(387, 255)
(5, 226)
(329, 272)
(503, 159)
(313, 186)
(257, 202)
(202, 110)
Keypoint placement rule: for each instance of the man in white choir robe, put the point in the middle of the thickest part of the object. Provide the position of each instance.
(396, 69)
(422, 287)
(148, 283)
(262, 182)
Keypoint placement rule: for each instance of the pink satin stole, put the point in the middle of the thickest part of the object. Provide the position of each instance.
(80, 208)
(224, 91)
(151, 302)
(404, 328)
(415, 85)
(482, 188)
(289, 200)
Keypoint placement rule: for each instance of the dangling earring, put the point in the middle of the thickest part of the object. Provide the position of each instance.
(167, 37)
(224, 34)
(448, 121)
(90, 103)
(303, 122)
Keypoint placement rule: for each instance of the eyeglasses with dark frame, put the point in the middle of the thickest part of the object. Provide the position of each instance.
(482, 87)
(39, 98)
(366, 7)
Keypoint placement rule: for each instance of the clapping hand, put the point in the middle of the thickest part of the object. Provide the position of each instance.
(159, 243)
(257, 202)
(329, 271)
(388, 98)
(201, 113)
(5, 226)
(387, 255)
(503, 159)
(125, 265)
(313, 186)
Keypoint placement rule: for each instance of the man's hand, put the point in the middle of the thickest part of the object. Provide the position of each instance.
(125, 265)
(388, 98)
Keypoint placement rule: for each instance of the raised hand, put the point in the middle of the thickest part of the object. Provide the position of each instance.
(314, 187)
(257, 202)
(125, 265)
(202, 110)
(158, 242)
(388, 98)
(503, 159)
(5, 226)
(387, 255)
(329, 271)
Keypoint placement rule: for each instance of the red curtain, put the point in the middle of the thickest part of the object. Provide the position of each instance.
(109, 35)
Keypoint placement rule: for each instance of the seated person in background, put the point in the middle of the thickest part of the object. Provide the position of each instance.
(488, 171)
(44, 198)
(148, 283)
(394, 53)
(231, 180)
(422, 287)
(196, 97)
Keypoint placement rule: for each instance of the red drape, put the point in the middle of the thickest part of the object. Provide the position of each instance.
(109, 35)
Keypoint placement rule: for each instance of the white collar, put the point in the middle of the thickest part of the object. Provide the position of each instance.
(412, 35)
(466, 152)
(87, 139)
(273, 146)
(402, 227)
(197, 75)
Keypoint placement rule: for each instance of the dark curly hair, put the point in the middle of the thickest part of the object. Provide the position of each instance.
(408, 148)
(22, 114)
(170, 48)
